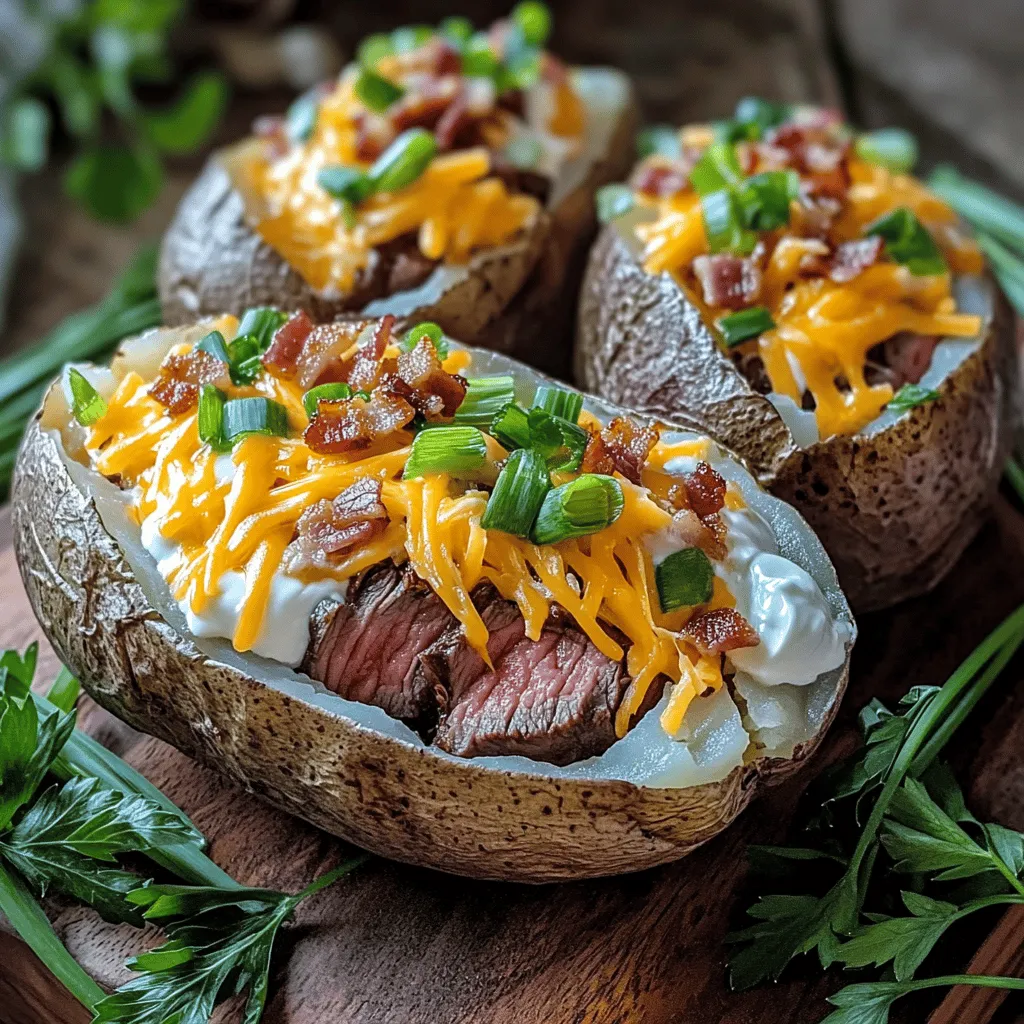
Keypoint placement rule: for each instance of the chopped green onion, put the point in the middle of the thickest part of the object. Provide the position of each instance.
(478, 59)
(211, 416)
(87, 404)
(300, 120)
(337, 392)
(575, 440)
(723, 226)
(559, 402)
(213, 344)
(518, 494)
(261, 322)
(411, 37)
(521, 69)
(717, 169)
(662, 139)
(910, 396)
(456, 30)
(534, 21)
(545, 433)
(511, 426)
(427, 329)
(485, 398)
(347, 184)
(374, 48)
(764, 199)
(247, 370)
(684, 579)
(524, 152)
(892, 148)
(752, 118)
(404, 160)
(455, 450)
(907, 241)
(747, 323)
(590, 503)
(613, 201)
(376, 91)
(244, 359)
(245, 416)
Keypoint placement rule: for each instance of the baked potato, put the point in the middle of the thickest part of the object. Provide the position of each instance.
(833, 326)
(447, 176)
(481, 624)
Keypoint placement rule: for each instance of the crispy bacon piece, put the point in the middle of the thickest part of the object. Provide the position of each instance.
(851, 258)
(328, 529)
(729, 281)
(721, 630)
(908, 356)
(284, 350)
(323, 346)
(423, 107)
(661, 179)
(694, 532)
(434, 392)
(453, 121)
(623, 446)
(355, 423)
(374, 134)
(365, 369)
(820, 157)
(705, 490)
(181, 377)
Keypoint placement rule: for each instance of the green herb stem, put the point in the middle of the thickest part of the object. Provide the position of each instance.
(330, 877)
(1015, 475)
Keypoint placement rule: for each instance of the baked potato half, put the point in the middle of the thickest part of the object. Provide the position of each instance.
(309, 213)
(868, 377)
(571, 797)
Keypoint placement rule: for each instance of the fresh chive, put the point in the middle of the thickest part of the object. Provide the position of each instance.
(590, 503)
(261, 323)
(723, 226)
(454, 450)
(404, 160)
(910, 396)
(534, 21)
(87, 404)
(247, 370)
(300, 120)
(211, 416)
(337, 392)
(907, 241)
(349, 185)
(478, 59)
(456, 30)
(213, 344)
(662, 139)
(521, 69)
(518, 494)
(985, 209)
(64, 691)
(751, 120)
(892, 148)
(410, 37)
(374, 48)
(747, 323)
(764, 199)
(613, 201)
(244, 359)
(545, 433)
(574, 444)
(717, 169)
(1009, 269)
(684, 579)
(427, 329)
(559, 402)
(376, 91)
(485, 398)
(245, 416)
(511, 426)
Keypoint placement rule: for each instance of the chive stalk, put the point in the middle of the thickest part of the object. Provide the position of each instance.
(453, 450)
(684, 579)
(485, 398)
(559, 402)
(403, 161)
(746, 324)
(211, 416)
(588, 504)
(245, 416)
(518, 494)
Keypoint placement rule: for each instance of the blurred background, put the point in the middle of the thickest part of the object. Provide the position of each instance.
(109, 107)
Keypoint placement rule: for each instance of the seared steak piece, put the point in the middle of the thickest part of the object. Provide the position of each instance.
(553, 700)
(368, 650)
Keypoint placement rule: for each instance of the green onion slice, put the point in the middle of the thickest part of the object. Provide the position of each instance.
(376, 91)
(427, 329)
(478, 59)
(336, 392)
(764, 199)
(747, 323)
(410, 37)
(511, 426)
(211, 416)
(374, 48)
(454, 450)
(717, 169)
(456, 30)
(261, 323)
(590, 503)
(684, 579)
(613, 201)
(723, 226)
(559, 402)
(892, 148)
(245, 416)
(404, 160)
(213, 344)
(485, 398)
(300, 120)
(574, 444)
(518, 494)
(87, 404)
(662, 139)
(347, 184)
(244, 359)
(907, 241)
(533, 20)
(910, 396)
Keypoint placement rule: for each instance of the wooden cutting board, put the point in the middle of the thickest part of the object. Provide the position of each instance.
(400, 944)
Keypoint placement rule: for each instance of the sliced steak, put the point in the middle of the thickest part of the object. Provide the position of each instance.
(553, 700)
(369, 649)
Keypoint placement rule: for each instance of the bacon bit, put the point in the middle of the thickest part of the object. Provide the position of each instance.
(661, 179)
(852, 258)
(365, 370)
(373, 135)
(435, 393)
(355, 423)
(452, 123)
(447, 60)
(729, 281)
(553, 70)
(424, 107)
(623, 446)
(181, 377)
(325, 343)
(908, 356)
(328, 529)
(694, 532)
(271, 129)
(720, 631)
(816, 214)
(284, 350)
(705, 490)
(817, 154)
(514, 101)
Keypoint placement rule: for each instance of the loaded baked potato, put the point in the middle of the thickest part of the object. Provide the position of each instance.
(423, 597)
(794, 290)
(446, 175)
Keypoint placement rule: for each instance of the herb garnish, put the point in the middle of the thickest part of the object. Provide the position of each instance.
(910, 396)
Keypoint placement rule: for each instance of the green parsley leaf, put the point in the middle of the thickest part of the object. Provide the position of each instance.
(910, 396)
(866, 1003)
(186, 125)
(909, 242)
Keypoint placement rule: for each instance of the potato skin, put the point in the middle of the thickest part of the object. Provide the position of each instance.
(388, 796)
(514, 300)
(895, 509)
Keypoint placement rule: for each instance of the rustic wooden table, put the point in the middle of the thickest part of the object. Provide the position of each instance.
(400, 944)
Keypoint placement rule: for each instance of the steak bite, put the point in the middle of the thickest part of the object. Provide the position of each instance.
(551, 700)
